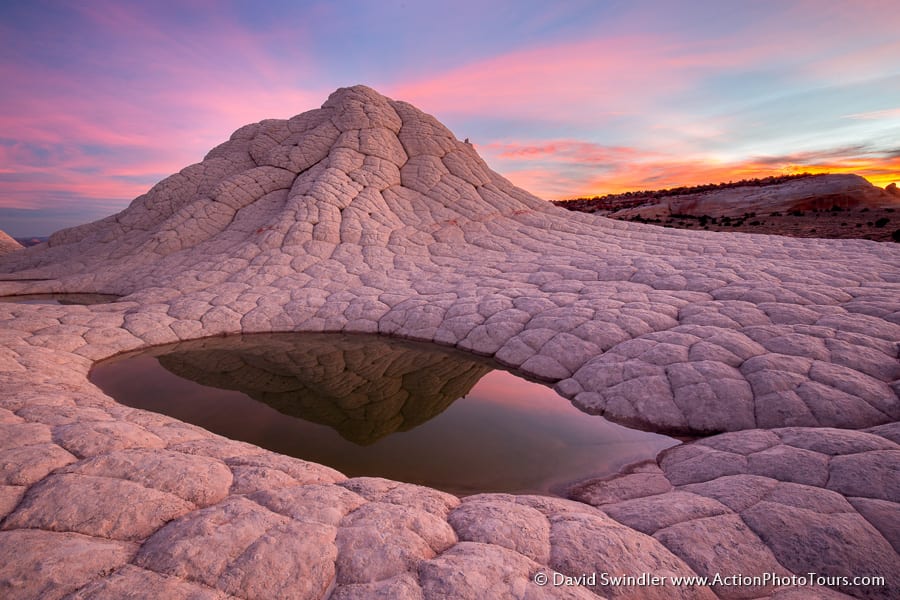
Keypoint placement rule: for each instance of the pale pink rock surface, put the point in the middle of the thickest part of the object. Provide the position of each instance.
(44, 564)
(103, 507)
(737, 550)
(130, 581)
(369, 216)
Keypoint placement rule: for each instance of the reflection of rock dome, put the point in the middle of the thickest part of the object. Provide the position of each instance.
(365, 389)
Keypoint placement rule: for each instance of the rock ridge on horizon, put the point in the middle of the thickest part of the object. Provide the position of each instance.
(369, 216)
(820, 192)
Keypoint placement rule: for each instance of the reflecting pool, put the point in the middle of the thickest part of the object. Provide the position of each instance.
(369, 405)
(60, 299)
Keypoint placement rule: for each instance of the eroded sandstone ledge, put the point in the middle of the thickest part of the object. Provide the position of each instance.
(369, 216)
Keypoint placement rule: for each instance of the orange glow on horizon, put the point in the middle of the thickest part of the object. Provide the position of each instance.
(878, 175)
(653, 175)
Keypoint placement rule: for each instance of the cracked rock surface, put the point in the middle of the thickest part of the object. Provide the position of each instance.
(368, 216)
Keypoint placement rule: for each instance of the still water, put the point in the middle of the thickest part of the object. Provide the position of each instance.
(60, 299)
(369, 405)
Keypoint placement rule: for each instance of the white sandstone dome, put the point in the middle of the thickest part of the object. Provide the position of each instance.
(359, 170)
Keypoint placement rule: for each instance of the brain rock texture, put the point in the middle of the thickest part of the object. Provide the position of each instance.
(777, 356)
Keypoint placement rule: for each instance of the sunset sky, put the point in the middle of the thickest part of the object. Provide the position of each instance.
(100, 100)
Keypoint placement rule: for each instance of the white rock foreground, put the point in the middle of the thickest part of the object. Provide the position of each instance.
(369, 216)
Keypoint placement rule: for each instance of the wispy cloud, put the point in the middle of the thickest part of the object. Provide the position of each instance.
(138, 99)
(581, 80)
(571, 151)
(875, 115)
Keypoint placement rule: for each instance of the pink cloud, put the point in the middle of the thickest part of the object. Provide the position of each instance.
(876, 115)
(96, 133)
(89, 146)
(548, 82)
(574, 151)
(593, 81)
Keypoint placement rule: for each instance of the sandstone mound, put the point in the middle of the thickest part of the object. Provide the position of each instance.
(362, 171)
(7, 244)
(369, 216)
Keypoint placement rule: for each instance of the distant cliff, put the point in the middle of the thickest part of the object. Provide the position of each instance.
(815, 192)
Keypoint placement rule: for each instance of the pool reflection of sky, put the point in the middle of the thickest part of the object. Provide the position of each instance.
(507, 434)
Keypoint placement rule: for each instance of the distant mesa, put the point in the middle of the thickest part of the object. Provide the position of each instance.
(32, 241)
(818, 192)
(8, 244)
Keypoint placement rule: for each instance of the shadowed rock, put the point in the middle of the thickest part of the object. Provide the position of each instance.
(60, 298)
